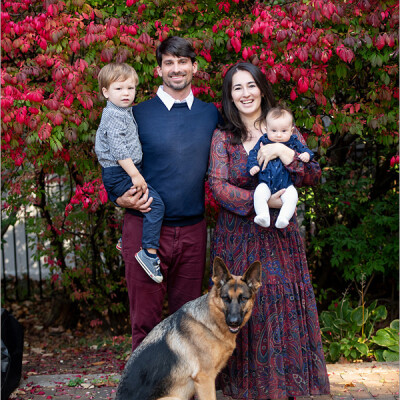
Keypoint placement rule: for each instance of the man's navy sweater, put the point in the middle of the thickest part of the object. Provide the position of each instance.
(176, 146)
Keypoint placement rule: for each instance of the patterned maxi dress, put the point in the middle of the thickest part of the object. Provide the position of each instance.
(279, 351)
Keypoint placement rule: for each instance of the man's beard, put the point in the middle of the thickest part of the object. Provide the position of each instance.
(177, 86)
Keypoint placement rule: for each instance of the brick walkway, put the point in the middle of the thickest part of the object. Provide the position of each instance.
(358, 381)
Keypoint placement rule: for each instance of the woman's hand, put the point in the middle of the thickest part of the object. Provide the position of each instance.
(271, 151)
(275, 200)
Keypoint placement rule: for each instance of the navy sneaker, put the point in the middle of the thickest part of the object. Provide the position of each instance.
(151, 265)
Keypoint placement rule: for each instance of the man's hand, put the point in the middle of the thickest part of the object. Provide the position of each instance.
(135, 200)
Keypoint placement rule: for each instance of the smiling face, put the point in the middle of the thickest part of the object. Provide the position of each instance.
(177, 74)
(280, 129)
(246, 95)
(121, 93)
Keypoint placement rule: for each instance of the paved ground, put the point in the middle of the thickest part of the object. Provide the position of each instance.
(360, 381)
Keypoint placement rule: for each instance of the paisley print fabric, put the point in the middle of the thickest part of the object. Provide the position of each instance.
(279, 351)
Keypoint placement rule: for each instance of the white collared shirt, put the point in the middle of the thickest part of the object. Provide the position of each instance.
(169, 101)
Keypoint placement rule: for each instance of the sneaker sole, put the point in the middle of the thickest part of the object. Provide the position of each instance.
(148, 272)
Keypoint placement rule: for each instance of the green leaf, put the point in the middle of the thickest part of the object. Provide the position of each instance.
(379, 355)
(376, 60)
(385, 78)
(9, 220)
(334, 351)
(83, 126)
(55, 144)
(358, 64)
(359, 315)
(383, 338)
(309, 122)
(390, 356)
(395, 324)
(362, 348)
(394, 348)
(380, 313)
(372, 306)
(340, 323)
(151, 58)
(219, 42)
(312, 142)
(345, 308)
(393, 333)
(341, 70)
(326, 319)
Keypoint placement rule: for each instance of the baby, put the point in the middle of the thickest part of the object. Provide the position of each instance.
(275, 176)
(119, 152)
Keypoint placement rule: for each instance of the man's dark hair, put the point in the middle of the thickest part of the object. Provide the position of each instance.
(176, 46)
(233, 121)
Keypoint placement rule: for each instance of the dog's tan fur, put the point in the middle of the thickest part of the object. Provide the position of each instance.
(195, 343)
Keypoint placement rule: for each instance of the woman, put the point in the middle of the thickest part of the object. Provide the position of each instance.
(279, 352)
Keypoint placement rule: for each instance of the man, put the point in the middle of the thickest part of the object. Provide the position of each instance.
(175, 130)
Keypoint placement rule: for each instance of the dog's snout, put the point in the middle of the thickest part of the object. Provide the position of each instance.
(234, 316)
(234, 320)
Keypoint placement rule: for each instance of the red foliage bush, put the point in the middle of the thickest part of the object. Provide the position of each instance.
(334, 63)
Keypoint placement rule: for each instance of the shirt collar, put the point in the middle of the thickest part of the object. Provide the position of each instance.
(123, 109)
(169, 101)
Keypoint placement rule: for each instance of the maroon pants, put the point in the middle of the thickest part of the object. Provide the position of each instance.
(182, 253)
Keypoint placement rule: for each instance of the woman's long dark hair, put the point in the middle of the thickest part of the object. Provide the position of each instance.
(233, 122)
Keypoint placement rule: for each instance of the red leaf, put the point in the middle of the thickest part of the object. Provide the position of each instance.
(74, 45)
(281, 36)
(236, 44)
(302, 84)
(380, 42)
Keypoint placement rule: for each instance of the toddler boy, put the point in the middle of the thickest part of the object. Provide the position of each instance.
(119, 152)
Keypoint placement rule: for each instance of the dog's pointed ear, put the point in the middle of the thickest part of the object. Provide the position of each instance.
(221, 274)
(252, 276)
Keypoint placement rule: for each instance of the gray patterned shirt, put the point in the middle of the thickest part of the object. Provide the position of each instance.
(117, 136)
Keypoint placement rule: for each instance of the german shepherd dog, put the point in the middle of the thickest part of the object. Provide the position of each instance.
(184, 353)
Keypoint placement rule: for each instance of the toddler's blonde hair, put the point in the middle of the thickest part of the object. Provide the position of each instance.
(115, 72)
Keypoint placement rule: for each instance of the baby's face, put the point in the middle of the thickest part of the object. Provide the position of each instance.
(280, 129)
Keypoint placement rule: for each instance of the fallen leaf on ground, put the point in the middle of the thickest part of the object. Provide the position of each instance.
(36, 350)
(57, 329)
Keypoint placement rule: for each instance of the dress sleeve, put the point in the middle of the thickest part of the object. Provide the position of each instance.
(303, 174)
(229, 196)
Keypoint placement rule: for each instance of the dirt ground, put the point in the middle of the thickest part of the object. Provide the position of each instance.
(55, 350)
